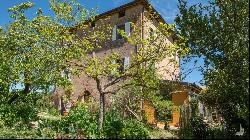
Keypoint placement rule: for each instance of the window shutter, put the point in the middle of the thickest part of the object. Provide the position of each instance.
(69, 74)
(66, 74)
(126, 62)
(62, 74)
(155, 34)
(113, 62)
(201, 110)
(127, 28)
(114, 33)
(113, 71)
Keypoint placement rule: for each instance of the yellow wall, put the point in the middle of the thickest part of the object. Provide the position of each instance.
(149, 112)
(178, 99)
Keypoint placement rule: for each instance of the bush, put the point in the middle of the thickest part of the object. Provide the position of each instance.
(82, 122)
(17, 133)
(22, 112)
(81, 119)
(113, 125)
(199, 128)
(133, 129)
(117, 127)
(79, 122)
(196, 128)
(216, 133)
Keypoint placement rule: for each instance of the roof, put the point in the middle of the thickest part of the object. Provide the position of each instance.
(125, 6)
(128, 5)
(184, 83)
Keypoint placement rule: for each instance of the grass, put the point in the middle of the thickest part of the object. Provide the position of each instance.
(162, 134)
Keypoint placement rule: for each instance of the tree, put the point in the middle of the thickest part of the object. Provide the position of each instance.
(219, 32)
(36, 52)
(42, 52)
(139, 73)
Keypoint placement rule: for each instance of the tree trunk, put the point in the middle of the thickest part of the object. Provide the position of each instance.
(25, 92)
(62, 108)
(101, 110)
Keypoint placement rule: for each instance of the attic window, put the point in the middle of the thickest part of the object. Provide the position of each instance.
(121, 14)
(92, 24)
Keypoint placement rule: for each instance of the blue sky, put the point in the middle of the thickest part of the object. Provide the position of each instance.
(167, 8)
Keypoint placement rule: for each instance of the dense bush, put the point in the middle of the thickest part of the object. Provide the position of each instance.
(118, 127)
(82, 122)
(134, 129)
(195, 128)
(199, 128)
(21, 112)
(79, 122)
(17, 133)
(113, 125)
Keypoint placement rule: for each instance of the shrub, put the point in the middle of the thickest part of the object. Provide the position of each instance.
(196, 128)
(80, 119)
(22, 112)
(17, 133)
(133, 129)
(216, 133)
(199, 128)
(117, 127)
(113, 125)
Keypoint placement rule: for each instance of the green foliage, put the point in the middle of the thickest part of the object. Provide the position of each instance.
(82, 122)
(117, 127)
(199, 128)
(22, 112)
(113, 125)
(17, 133)
(134, 129)
(164, 110)
(195, 128)
(219, 32)
(15, 118)
(217, 133)
(80, 119)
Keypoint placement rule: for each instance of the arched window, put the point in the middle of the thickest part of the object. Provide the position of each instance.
(87, 96)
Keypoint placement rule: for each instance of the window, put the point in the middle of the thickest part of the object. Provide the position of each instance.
(87, 96)
(121, 14)
(151, 32)
(121, 63)
(126, 62)
(124, 27)
(92, 24)
(120, 28)
(66, 74)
